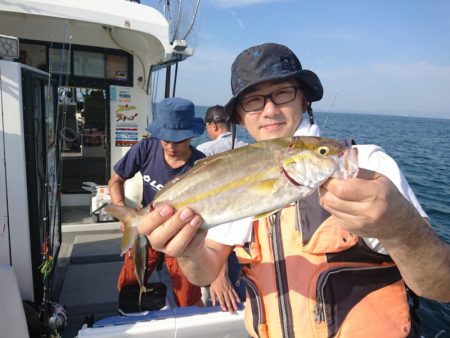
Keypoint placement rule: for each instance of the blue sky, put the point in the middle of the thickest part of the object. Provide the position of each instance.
(372, 56)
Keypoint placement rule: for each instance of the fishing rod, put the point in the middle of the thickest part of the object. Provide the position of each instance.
(329, 110)
(57, 319)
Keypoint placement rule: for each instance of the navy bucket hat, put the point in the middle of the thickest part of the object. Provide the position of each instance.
(174, 120)
(266, 62)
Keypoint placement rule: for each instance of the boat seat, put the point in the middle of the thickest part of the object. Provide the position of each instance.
(13, 318)
(69, 130)
(95, 111)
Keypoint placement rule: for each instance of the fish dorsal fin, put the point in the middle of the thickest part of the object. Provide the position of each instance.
(201, 162)
(230, 154)
(168, 185)
(213, 158)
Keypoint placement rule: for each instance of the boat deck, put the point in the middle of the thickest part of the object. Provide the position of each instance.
(88, 265)
(86, 273)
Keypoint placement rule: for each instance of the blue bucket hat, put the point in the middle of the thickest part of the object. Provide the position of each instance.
(174, 120)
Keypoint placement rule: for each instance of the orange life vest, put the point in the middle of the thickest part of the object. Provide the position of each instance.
(308, 277)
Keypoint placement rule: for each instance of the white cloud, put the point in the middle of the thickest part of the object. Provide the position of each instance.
(415, 88)
(208, 59)
(205, 78)
(340, 34)
(239, 21)
(388, 88)
(414, 71)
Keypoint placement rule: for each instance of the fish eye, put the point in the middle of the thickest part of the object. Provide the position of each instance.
(324, 151)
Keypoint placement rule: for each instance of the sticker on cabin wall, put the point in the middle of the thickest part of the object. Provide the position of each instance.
(124, 112)
(126, 134)
(124, 119)
(113, 93)
(126, 130)
(124, 97)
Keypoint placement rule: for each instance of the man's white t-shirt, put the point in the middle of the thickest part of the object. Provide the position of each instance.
(370, 157)
(220, 144)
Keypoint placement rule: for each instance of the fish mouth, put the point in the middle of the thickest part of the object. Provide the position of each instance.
(293, 181)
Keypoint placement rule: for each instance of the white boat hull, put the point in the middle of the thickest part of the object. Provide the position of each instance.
(189, 322)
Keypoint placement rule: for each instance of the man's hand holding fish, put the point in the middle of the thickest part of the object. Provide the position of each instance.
(371, 206)
(178, 233)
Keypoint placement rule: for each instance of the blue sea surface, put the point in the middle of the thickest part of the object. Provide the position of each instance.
(421, 147)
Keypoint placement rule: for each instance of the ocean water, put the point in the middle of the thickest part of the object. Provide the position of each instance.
(421, 147)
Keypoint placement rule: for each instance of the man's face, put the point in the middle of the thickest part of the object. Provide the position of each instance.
(176, 149)
(272, 120)
(210, 126)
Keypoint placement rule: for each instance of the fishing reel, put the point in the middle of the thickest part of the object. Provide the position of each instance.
(58, 319)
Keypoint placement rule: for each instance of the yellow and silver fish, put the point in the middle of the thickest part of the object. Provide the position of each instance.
(248, 181)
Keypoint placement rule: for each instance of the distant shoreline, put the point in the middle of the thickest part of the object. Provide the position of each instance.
(437, 116)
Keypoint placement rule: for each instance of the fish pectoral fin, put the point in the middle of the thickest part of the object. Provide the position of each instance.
(265, 214)
(265, 186)
(124, 214)
(129, 217)
(128, 237)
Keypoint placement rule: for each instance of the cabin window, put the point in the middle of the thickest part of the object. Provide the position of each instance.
(33, 55)
(100, 65)
(89, 64)
(59, 61)
(116, 67)
(84, 65)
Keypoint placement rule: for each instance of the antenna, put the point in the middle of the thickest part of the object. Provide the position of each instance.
(194, 16)
(181, 16)
(329, 110)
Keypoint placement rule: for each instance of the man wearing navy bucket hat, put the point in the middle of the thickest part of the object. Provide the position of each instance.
(339, 263)
(175, 121)
(159, 158)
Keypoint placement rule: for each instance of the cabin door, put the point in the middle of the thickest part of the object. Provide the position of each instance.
(85, 142)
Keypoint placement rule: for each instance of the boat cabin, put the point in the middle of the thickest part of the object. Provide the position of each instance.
(105, 58)
(78, 81)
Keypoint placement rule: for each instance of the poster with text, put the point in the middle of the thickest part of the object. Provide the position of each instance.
(124, 117)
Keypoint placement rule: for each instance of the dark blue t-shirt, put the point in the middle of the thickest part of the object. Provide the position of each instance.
(147, 157)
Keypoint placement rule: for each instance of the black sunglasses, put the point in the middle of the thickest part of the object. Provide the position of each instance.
(256, 103)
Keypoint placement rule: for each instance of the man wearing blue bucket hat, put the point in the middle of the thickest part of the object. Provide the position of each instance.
(175, 121)
(159, 158)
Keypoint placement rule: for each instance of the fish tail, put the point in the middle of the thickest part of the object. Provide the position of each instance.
(141, 291)
(129, 217)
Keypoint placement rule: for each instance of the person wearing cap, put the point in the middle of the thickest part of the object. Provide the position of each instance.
(159, 158)
(340, 263)
(218, 126)
(228, 288)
